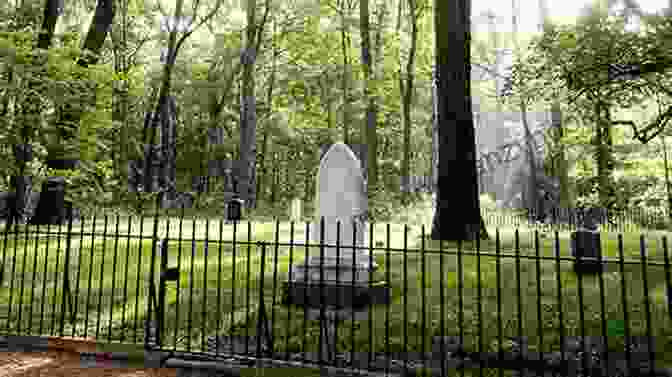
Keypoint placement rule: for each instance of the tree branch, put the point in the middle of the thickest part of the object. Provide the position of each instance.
(260, 28)
(658, 124)
(192, 29)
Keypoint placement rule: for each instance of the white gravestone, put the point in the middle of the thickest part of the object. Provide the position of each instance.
(341, 196)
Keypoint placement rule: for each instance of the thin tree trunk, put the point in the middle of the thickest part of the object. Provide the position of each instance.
(161, 116)
(533, 204)
(345, 80)
(604, 158)
(369, 121)
(407, 97)
(562, 171)
(120, 97)
(248, 114)
(667, 179)
(532, 196)
(265, 139)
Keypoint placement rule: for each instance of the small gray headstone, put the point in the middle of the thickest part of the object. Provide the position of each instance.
(586, 243)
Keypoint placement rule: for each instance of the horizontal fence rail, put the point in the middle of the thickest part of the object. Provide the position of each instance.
(511, 303)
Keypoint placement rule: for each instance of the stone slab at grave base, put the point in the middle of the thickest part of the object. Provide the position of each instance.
(334, 295)
(331, 269)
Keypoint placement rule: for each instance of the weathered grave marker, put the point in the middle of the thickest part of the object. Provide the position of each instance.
(337, 283)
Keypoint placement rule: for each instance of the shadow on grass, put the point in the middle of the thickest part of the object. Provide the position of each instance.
(218, 293)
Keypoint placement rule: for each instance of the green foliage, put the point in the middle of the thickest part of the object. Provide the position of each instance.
(306, 79)
(91, 186)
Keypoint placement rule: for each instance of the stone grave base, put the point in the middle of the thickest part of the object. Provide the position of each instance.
(334, 295)
(330, 270)
(587, 267)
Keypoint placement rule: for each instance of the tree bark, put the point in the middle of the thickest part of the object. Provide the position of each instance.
(457, 148)
(248, 114)
(604, 157)
(345, 79)
(407, 98)
(667, 179)
(562, 171)
(557, 130)
(121, 97)
(368, 129)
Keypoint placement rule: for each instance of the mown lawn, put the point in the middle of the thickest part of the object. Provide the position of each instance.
(219, 288)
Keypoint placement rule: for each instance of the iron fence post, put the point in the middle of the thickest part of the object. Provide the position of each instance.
(263, 329)
(160, 312)
(152, 292)
(66, 281)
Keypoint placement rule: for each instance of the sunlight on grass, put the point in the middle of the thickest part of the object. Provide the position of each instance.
(210, 297)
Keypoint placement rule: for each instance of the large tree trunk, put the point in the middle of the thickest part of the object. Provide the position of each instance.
(457, 144)
(51, 207)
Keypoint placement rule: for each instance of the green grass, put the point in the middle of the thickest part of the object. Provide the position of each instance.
(416, 273)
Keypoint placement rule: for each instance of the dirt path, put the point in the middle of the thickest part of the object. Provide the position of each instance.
(63, 360)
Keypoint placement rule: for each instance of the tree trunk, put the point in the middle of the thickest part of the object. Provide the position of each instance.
(261, 189)
(562, 171)
(372, 112)
(120, 97)
(603, 155)
(532, 196)
(667, 179)
(532, 201)
(248, 114)
(51, 207)
(435, 133)
(367, 132)
(162, 116)
(457, 148)
(407, 98)
(22, 183)
(345, 80)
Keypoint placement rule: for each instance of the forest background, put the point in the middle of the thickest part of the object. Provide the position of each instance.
(279, 79)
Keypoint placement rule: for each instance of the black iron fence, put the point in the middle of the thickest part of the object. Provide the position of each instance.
(565, 219)
(511, 303)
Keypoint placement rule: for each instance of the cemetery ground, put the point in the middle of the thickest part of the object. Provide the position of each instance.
(110, 288)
